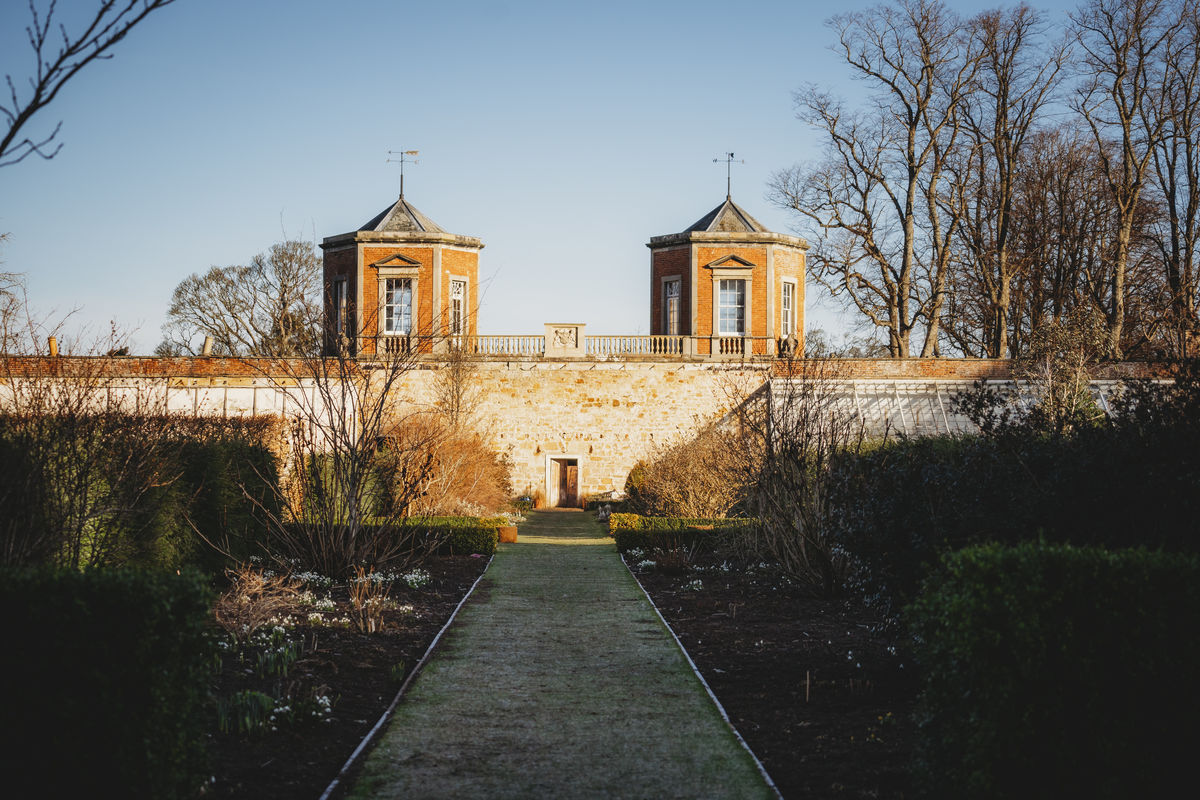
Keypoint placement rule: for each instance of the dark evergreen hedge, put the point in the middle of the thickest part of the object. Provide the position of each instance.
(897, 509)
(105, 675)
(207, 480)
(1053, 671)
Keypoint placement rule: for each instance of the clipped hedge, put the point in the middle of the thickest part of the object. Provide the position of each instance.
(450, 535)
(461, 536)
(1055, 671)
(106, 675)
(228, 476)
(900, 507)
(152, 489)
(463, 541)
(595, 503)
(650, 533)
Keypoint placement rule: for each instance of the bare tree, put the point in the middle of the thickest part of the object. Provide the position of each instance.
(456, 393)
(885, 201)
(1126, 49)
(1018, 70)
(1177, 174)
(59, 57)
(1062, 233)
(272, 307)
(12, 300)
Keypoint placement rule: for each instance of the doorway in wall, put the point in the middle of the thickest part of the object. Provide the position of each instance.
(563, 482)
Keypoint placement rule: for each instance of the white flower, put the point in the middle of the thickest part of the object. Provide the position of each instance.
(416, 578)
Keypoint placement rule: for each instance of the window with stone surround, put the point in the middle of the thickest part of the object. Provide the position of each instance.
(337, 305)
(397, 306)
(671, 307)
(731, 309)
(458, 306)
(787, 310)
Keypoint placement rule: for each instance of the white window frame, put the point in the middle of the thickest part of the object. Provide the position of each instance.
(458, 316)
(672, 322)
(787, 309)
(398, 273)
(741, 289)
(405, 285)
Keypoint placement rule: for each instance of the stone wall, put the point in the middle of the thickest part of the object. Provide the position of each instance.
(605, 415)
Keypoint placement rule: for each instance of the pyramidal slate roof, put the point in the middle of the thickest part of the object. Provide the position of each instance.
(402, 217)
(728, 217)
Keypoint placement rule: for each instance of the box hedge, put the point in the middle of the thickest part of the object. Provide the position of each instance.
(650, 533)
(1055, 671)
(106, 675)
(445, 535)
(460, 536)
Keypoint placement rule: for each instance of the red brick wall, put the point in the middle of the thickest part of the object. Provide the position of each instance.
(756, 323)
(789, 263)
(464, 263)
(341, 264)
(423, 297)
(664, 263)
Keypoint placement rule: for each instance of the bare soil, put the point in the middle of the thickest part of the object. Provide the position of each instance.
(362, 672)
(812, 685)
(817, 690)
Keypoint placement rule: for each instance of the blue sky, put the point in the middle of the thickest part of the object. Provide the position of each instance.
(563, 134)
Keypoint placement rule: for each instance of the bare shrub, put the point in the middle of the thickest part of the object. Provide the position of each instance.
(700, 478)
(465, 477)
(791, 433)
(253, 599)
(1054, 375)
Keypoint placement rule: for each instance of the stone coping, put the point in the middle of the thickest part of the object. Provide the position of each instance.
(150, 367)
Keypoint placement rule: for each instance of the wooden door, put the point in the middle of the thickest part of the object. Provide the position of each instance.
(570, 492)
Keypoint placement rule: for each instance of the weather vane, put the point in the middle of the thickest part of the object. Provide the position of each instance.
(729, 161)
(402, 160)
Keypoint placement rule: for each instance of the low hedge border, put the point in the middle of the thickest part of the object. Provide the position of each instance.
(455, 536)
(1057, 671)
(463, 536)
(631, 531)
(465, 540)
(106, 674)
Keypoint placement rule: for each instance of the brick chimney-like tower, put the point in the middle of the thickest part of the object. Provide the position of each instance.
(729, 282)
(400, 282)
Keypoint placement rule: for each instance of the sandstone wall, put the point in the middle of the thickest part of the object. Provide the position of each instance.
(604, 414)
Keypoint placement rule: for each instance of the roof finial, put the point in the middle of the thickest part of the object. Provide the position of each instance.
(729, 161)
(402, 161)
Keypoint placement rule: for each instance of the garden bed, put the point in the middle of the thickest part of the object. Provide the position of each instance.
(360, 673)
(821, 696)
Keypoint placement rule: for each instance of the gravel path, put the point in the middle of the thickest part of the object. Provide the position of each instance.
(557, 679)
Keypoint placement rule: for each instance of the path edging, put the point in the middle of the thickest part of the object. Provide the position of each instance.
(696, 671)
(362, 746)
